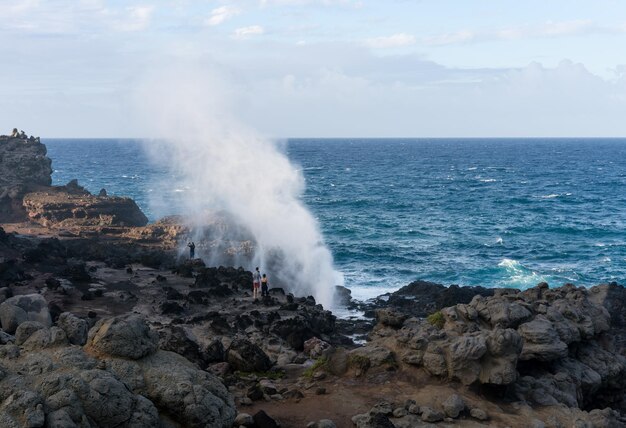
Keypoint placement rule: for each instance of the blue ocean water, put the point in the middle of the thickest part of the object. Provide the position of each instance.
(495, 212)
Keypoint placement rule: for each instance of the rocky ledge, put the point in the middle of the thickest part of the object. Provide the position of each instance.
(26, 193)
(72, 206)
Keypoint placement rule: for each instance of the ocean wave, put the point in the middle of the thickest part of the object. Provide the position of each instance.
(488, 180)
(554, 195)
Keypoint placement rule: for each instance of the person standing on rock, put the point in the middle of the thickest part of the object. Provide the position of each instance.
(264, 291)
(256, 283)
(192, 250)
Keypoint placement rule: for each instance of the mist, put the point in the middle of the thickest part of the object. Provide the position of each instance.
(225, 170)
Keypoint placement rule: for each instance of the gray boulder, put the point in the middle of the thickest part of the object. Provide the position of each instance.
(28, 307)
(25, 330)
(453, 406)
(126, 336)
(541, 341)
(76, 329)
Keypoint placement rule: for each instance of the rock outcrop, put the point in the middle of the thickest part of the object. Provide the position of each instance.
(549, 346)
(70, 207)
(26, 192)
(24, 166)
(121, 379)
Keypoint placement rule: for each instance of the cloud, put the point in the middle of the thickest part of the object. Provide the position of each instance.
(133, 18)
(394, 41)
(350, 3)
(65, 17)
(548, 29)
(221, 14)
(245, 32)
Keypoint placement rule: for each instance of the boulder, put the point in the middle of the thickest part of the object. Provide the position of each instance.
(263, 420)
(28, 307)
(245, 356)
(390, 318)
(244, 420)
(76, 329)
(315, 347)
(126, 336)
(25, 330)
(453, 406)
(541, 341)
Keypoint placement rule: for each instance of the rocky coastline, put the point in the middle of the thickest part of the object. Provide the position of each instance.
(103, 324)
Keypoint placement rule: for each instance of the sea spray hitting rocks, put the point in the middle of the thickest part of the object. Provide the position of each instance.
(225, 167)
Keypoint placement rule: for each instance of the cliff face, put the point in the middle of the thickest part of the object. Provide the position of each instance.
(23, 162)
(26, 192)
(24, 166)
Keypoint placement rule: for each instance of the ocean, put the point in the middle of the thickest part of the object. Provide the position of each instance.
(490, 212)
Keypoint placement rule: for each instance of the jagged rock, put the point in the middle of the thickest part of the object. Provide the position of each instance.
(179, 340)
(315, 347)
(23, 166)
(343, 295)
(214, 352)
(263, 420)
(390, 317)
(541, 341)
(124, 336)
(245, 356)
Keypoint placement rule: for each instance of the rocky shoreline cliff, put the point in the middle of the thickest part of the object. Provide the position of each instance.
(103, 325)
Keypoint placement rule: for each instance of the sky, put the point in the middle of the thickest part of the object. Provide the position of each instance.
(321, 68)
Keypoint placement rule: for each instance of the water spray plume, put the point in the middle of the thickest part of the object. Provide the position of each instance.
(227, 167)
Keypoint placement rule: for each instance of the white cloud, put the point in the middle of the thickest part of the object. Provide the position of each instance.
(133, 18)
(394, 41)
(546, 30)
(351, 3)
(245, 32)
(221, 14)
(65, 17)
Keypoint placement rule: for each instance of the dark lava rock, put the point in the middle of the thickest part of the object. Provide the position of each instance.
(173, 294)
(245, 356)
(198, 297)
(254, 393)
(10, 271)
(214, 352)
(263, 420)
(343, 295)
(177, 339)
(76, 271)
(295, 331)
(171, 308)
(49, 249)
(422, 298)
